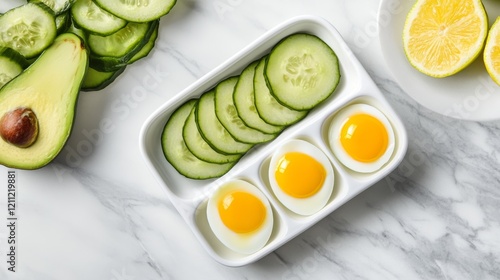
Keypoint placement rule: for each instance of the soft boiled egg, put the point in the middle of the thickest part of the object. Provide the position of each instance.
(240, 216)
(301, 176)
(362, 138)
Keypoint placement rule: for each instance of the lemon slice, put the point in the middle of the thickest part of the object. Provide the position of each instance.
(440, 38)
(491, 54)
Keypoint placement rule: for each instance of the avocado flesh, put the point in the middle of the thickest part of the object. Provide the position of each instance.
(50, 87)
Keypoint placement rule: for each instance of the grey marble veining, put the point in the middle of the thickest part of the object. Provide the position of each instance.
(103, 216)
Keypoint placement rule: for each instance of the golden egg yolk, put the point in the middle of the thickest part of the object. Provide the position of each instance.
(241, 212)
(364, 137)
(299, 175)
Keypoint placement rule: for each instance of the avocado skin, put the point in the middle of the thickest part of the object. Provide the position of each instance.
(50, 87)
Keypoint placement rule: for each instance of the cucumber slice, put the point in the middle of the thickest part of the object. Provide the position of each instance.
(178, 155)
(137, 10)
(107, 63)
(302, 71)
(146, 49)
(77, 31)
(95, 20)
(57, 6)
(63, 22)
(11, 65)
(28, 29)
(199, 147)
(243, 98)
(213, 131)
(268, 108)
(121, 42)
(112, 62)
(96, 80)
(228, 116)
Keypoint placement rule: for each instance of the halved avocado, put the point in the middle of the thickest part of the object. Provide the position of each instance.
(37, 108)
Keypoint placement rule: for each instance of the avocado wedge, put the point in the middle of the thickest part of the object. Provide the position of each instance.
(37, 108)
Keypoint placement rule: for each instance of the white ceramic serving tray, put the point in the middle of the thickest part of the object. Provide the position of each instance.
(190, 196)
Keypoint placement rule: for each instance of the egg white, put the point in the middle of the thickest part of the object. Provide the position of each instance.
(334, 138)
(244, 243)
(308, 205)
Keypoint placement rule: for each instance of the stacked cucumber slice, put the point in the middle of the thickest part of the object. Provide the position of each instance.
(206, 136)
(117, 33)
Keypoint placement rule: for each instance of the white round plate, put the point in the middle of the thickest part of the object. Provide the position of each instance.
(469, 95)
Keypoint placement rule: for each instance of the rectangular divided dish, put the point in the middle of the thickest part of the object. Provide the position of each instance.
(190, 196)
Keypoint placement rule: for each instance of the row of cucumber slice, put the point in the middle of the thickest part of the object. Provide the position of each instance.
(206, 136)
(117, 33)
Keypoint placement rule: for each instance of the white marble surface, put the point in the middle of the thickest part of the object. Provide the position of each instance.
(97, 213)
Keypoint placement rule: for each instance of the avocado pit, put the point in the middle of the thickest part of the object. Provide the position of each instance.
(19, 127)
